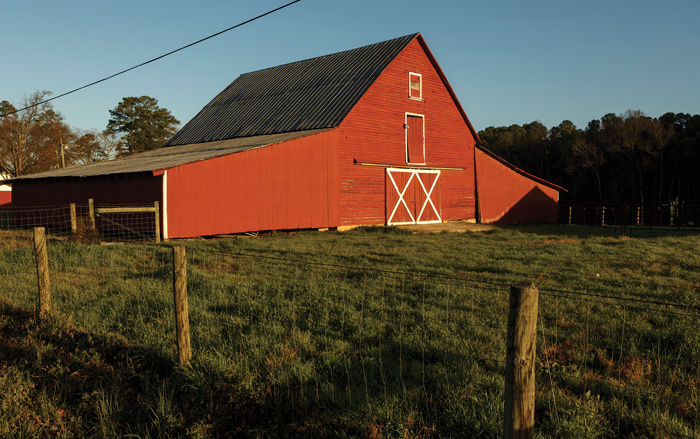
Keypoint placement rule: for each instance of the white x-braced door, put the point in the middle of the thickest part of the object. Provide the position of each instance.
(412, 196)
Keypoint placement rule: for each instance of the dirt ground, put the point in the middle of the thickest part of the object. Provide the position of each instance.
(455, 226)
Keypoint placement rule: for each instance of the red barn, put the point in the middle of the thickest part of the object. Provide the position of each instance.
(373, 135)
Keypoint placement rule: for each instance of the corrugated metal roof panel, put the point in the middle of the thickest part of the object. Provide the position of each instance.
(164, 158)
(303, 95)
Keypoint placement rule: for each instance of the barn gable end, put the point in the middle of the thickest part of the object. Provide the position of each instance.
(373, 139)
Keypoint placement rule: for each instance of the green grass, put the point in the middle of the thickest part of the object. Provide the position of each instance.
(325, 335)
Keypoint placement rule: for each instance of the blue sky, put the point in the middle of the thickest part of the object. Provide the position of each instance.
(508, 61)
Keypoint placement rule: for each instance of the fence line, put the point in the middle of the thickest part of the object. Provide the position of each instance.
(88, 222)
(670, 216)
(323, 334)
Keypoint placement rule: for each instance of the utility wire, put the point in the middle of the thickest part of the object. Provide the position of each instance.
(152, 60)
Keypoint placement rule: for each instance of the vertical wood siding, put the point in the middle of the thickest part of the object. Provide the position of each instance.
(373, 132)
(289, 185)
(507, 197)
(5, 198)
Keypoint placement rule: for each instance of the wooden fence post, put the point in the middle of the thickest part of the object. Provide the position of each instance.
(638, 214)
(91, 210)
(520, 363)
(156, 205)
(42, 270)
(73, 219)
(182, 321)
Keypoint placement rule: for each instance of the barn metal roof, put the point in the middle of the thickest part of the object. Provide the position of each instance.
(164, 158)
(303, 95)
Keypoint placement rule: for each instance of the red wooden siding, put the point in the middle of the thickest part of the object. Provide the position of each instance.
(289, 185)
(5, 198)
(508, 197)
(373, 132)
(414, 140)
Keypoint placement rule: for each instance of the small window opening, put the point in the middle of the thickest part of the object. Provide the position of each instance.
(415, 86)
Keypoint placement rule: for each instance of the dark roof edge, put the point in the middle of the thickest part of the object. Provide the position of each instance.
(414, 35)
(80, 177)
(432, 59)
(504, 162)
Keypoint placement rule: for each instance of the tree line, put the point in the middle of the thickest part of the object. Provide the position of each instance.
(38, 139)
(626, 158)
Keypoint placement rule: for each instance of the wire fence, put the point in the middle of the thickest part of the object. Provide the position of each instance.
(679, 216)
(315, 334)
(602, 356)
(417, 353)
(87, 222)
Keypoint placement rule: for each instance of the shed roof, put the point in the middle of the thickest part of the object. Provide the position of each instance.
(311, 94)
(481, 147)
(164, 158)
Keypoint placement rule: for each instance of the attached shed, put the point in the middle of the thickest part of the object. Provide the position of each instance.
(373, 135)
(5, 192)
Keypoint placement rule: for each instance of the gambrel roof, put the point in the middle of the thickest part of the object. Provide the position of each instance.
(304, 95)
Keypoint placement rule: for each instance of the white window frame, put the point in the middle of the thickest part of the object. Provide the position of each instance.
(405, 135)
(420, 87)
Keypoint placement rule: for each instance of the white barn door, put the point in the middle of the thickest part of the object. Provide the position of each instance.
(412, 196)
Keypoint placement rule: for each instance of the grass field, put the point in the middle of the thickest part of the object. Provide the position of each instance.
(372, 333)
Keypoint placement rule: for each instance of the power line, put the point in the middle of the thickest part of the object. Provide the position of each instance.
(154, 59)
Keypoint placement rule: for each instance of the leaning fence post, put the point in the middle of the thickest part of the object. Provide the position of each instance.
(182, 321)
(520, 363)
(156, 206)
(91, 212)
(42, 270)
(73, 219)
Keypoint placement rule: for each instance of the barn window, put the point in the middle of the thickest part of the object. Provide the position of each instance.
(415, 86)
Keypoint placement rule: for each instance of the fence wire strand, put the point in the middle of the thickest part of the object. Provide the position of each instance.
(319, 334)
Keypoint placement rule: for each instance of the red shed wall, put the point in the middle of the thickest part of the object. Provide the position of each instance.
(5, 198)
(105, 190)
(508, 197)
(373, 132)
(124, 189)
(290, 185)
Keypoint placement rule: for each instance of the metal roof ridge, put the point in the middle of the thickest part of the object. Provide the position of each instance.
(342, 52)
